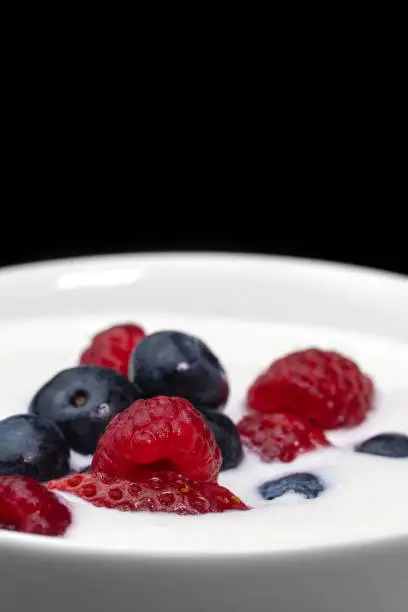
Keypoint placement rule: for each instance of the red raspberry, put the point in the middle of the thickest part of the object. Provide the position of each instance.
(161, 429)
(27, 506)
(155, 491)
(112, 347)
(281, 435)
(325, 387)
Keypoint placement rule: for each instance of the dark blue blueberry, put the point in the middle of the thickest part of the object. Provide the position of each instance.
(303, 483)
(227, 437)
(176, 364)
(386, 445)
(34, 447)
(82, 401)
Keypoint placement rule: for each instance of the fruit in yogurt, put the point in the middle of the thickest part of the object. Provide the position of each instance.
(280, 436)
(154, 492)
(179, 365)
(303, 483)
(392, 445)
(32, 446)
(112, 347)
(29, 507)
(82, 401)
(158, 433)
(323, 386)
(148, 407)
(227, 437)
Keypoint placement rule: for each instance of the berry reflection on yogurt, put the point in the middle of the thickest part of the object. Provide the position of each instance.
(318, 439)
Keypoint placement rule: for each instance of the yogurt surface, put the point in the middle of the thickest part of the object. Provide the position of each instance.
(366, 496)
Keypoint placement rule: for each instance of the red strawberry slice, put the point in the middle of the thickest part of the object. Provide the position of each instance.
(160, 433)
(280, 436)
(155, 491)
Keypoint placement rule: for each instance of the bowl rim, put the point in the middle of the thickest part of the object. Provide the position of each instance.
(187, 257)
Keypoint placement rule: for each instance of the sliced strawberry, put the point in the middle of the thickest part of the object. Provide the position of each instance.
(155, 491)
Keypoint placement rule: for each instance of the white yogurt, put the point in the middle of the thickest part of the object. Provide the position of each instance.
(366, 496)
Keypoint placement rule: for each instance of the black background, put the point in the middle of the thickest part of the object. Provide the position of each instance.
(318, 176)
(350, 233)
(68, 234)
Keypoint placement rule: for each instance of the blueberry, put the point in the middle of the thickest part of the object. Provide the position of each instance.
(303, 483)
(227, 436)
(176, 364)
(386, 445)
(34, 447)
(82, 401)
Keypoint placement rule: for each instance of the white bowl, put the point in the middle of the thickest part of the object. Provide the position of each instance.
(249, 308)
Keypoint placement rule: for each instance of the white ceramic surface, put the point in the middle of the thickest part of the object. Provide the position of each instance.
(249, 309)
